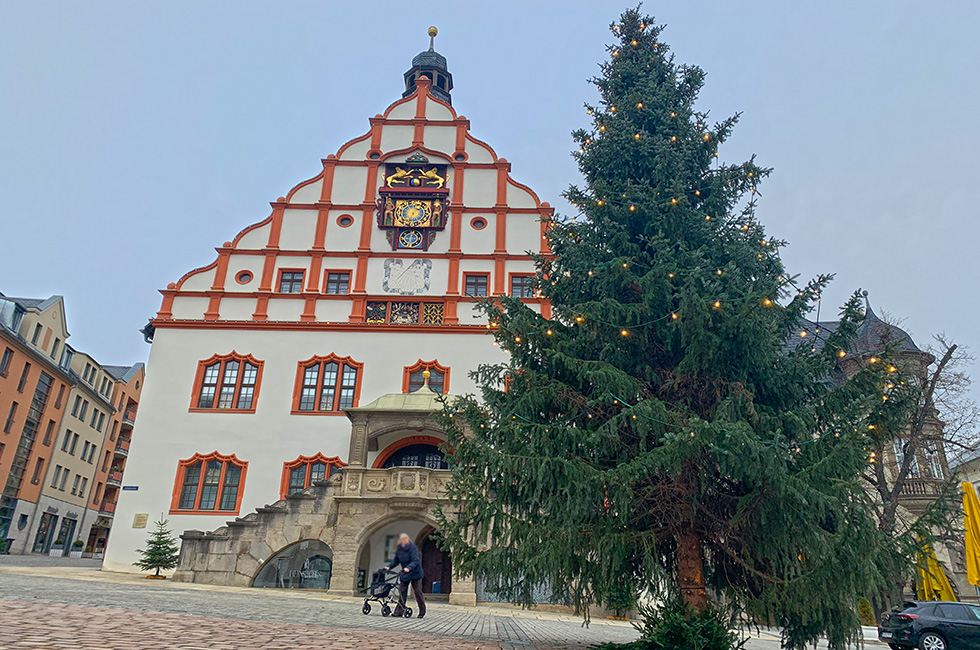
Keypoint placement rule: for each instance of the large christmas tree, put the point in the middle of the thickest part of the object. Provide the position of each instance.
(673, 429)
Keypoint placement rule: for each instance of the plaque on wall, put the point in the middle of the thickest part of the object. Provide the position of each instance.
(406, 277)
(139, 520)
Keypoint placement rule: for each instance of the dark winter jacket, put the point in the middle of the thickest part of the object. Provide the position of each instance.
(408, 558)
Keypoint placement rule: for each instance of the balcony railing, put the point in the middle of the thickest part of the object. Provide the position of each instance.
(129, 417)
(122, 447)
(114, 478)
(107, 508)
(922, 488)
(411, 482)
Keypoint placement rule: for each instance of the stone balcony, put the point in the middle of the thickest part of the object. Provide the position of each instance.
(408, 486)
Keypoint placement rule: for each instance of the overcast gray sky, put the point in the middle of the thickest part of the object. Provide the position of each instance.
(136, 136)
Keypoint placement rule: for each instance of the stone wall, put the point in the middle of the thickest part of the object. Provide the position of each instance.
(342, 512)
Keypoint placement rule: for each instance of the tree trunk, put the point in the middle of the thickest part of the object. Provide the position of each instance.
(690, 571)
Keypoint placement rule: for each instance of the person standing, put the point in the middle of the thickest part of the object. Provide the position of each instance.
(407, 555)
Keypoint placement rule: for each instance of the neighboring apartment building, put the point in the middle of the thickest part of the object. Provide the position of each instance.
(56, 483)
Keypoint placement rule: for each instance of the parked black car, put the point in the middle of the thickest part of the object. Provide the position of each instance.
(932, 626)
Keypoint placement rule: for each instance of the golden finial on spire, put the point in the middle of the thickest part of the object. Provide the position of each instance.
(433, 31)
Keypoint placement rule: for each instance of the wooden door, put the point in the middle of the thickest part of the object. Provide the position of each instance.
(437, 566)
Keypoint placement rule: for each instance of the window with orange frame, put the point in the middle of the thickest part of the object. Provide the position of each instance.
(303, 472)
(209, 484)
(413, 379)
(227, 382)
(327, 385)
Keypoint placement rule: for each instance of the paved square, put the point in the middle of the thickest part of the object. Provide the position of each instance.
(62, 605)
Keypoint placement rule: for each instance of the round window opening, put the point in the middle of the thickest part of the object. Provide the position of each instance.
(459, 157)
(345, 221)
(478, 223)
(244, 277)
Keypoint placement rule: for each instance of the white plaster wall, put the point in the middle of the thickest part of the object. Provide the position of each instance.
(189, 307)
(256, 239)
(518, 197)
(333, 311)
(298, 228)
(200, 281)
(438, 276)
(338, 238)
(480, 242)
(478, 153)
(238, 263)
(236, 309)
(440, 138)
(309, 193)
(348, 185)
(523, 233)
(358, 150)
(404, 111)
(436, 111)
(480, 188)
(166, 432)
(394, 137)
(289, 262)
(285, 309)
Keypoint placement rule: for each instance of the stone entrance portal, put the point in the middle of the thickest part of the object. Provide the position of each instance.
(346, 520)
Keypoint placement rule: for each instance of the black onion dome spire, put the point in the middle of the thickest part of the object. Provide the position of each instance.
(873, 334)
(433, 65)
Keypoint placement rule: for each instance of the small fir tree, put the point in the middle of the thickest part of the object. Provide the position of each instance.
(161, 552)
(671, 427)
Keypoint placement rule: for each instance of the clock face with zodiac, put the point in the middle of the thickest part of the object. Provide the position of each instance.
(412, 212)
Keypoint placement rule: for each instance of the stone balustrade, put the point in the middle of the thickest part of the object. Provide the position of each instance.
(411, 482)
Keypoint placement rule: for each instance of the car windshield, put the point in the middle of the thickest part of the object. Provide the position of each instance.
(975, 611)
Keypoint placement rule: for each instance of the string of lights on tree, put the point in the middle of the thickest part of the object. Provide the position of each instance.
(738, 224)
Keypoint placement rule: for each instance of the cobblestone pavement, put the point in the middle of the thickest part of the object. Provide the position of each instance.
(52, 606)
(90, 607)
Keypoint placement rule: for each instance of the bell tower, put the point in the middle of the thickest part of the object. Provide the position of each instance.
(432, 65)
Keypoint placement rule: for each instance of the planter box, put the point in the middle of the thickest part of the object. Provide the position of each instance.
(75, 554)
(57, 551)
(87, 554)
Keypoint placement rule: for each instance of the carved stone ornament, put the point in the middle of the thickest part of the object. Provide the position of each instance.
(406, 481)
(406, 277)
(376, 485)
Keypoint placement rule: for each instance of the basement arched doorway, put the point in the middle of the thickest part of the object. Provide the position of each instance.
(304, 565)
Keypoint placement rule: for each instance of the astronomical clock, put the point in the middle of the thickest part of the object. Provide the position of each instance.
(414, 203)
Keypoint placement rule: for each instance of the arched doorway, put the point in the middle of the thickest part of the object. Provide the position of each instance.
(304, 565)
(436, 563)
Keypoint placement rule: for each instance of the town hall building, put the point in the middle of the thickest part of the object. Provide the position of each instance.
(285, 426)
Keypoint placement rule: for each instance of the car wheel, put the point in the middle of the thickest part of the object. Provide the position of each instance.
(932, 641)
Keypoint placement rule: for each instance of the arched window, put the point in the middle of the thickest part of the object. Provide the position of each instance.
(209, 484)
(227, 382)
(413, 380)
(327, 385)
(413, 451)
(427, 456)
(301, 473)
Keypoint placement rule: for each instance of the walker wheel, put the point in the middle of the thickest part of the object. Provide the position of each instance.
(408, 612)
(385, 611)
(366, 609)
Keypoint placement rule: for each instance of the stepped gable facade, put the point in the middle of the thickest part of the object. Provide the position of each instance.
(359, 287)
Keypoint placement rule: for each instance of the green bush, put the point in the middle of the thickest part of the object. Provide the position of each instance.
(866, 613)
(674, 628)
